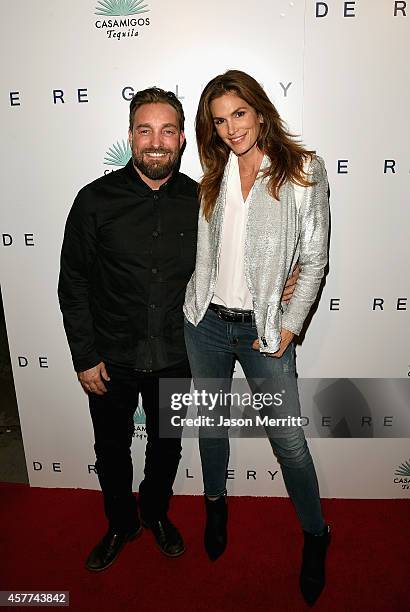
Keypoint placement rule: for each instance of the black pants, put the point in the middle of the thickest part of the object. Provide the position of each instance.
(112, 416)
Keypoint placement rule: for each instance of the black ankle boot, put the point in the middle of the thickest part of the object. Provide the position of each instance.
(312, 574)
(215, 537)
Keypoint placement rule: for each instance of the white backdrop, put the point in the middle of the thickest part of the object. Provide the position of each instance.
(338, 74)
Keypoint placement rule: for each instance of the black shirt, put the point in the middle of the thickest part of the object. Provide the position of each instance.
(127, 255)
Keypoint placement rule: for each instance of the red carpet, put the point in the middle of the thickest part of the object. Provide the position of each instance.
(47, 533)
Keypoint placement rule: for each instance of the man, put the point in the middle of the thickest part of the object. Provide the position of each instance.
(128, 253)
(127, 256)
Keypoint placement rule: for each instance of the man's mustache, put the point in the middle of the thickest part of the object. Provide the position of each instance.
(165, 151)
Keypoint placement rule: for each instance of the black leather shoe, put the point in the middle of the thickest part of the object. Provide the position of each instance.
(167, 536)
(215, 537)
(312, 574)
(108, 549)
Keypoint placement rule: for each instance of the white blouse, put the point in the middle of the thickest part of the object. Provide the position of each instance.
(231, 289)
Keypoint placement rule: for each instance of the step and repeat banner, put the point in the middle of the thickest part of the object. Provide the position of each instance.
(338, 73)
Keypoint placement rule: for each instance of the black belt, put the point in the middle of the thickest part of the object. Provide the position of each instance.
(233, 315)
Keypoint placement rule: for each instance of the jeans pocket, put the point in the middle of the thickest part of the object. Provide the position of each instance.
(288, 359)
(187, 323)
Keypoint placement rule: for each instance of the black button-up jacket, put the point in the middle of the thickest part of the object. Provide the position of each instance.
(127, 255)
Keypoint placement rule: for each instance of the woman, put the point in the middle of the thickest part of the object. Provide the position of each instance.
(264, 206)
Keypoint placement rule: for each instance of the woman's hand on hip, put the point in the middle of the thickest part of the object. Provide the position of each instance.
(286, 338)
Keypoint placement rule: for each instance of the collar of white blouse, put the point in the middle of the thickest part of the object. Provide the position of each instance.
(234, 187)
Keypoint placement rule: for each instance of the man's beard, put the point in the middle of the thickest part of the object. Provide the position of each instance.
(156, 169)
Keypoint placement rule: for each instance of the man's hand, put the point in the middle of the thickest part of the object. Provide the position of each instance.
(286, 338)
(92, 380)
(290, 284)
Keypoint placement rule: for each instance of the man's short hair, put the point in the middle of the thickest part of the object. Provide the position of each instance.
(155, 95)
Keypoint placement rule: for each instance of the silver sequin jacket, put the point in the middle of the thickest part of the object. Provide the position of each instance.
(278, 233)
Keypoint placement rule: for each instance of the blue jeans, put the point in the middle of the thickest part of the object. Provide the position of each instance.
(213, 347)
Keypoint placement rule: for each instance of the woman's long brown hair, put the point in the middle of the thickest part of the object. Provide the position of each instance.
(287, 155)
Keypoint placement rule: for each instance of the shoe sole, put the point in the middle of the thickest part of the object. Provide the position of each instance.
(132, 537)
(171, 555)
